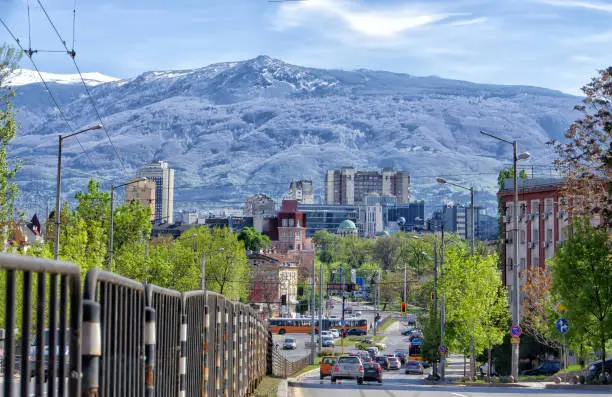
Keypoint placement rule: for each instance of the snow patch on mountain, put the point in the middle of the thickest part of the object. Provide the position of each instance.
(21, 77)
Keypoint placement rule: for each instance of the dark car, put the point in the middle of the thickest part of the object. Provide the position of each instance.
(546, 368)
(355, 332)
(407, 332)
(372, 371)
(383, 361)
(594, 370)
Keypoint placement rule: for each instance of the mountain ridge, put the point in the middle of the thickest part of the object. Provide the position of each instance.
(252, 126)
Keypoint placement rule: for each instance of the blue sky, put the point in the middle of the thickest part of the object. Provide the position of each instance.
(550, 43)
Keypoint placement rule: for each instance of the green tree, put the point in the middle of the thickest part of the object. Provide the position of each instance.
(582, 274)
(475, 306)
(8, 128)
(387, 251)
(227, 267)
(253, 240)
(131, 224)
(328, 246)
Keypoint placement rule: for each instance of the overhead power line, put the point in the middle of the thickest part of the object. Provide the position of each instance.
(72, 54)
(55, 102)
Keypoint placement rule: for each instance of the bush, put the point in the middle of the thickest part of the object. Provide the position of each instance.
(328, 353)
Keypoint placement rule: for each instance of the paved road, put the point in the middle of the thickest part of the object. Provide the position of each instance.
(407, 391)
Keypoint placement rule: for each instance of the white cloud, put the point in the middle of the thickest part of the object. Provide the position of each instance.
(592, 5)
(474, 21)
(368, 21)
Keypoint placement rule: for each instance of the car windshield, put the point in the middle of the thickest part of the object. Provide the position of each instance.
(329, 360)
(57, 335)
(348, 360)
(289, 340)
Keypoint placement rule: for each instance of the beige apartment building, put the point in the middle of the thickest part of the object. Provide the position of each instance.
(143, 191)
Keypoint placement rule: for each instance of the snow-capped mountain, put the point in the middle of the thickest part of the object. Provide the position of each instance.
(238, 128)
(24, 76)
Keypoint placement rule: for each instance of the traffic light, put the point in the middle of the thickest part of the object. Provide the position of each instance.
(432, 295)
(403, 308)
(284, 300)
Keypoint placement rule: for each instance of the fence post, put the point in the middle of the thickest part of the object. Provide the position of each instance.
(150, 340)
(91, 348)
(183, 354)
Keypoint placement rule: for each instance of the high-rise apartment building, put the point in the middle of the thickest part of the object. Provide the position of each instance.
(302, 191)
(347, 186)
(142, 191)
(163, 176)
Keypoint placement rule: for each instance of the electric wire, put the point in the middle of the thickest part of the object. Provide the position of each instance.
(55, 102)
(72, 54)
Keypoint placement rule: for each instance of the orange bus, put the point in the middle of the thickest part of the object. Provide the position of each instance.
(304, 325)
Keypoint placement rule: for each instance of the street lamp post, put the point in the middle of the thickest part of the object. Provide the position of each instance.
(471, 189)
(405, 273)
(110, 231)
(58, 189)
(517, 291)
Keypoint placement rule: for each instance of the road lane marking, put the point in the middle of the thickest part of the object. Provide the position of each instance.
(458, 395)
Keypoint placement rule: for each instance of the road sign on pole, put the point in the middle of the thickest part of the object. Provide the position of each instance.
(516, 331)
(515, 340)
(442, 349)
(562, 326)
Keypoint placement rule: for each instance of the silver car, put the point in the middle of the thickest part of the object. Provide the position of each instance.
(394, 363)
(413, 367)
(348, 367)
(290, 344)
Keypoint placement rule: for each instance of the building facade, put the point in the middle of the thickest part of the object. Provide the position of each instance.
(328, 217)
(270, 279)
(542, 224)
(163, 176)
(144, 192)
(302, 191)
(347, 186)
(370, 220)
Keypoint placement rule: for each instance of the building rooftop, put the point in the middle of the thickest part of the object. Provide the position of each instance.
(347, 224)
(524, 184)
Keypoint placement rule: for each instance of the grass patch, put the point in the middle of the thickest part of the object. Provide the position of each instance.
(352, 341)
(532, 378)
(308, 367)
(267, 387)
(386, 324)
(570, 368)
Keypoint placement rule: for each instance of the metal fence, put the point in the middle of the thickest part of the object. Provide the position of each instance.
(124, 338)
(282, 367)
(41, 316)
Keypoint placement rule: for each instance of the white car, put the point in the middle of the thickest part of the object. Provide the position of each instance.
(290, 344)
(484, 369)
(335, 333)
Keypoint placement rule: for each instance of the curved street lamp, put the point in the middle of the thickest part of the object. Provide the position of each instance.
(517, 290)
(58, 188)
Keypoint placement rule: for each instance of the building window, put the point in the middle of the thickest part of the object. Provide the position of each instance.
(523, 263)
(549, 235)
(523, 236)
(285, 222)
(535, 236)
(290, 222)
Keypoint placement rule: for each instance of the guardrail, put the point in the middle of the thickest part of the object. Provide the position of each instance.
(125, 338)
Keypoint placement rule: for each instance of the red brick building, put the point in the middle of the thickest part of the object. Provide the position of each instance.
(542, 223)
(288, 238)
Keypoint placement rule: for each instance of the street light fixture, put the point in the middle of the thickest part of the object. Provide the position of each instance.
(517, 291)
(471, 189)
(110, 231)
(58, 188)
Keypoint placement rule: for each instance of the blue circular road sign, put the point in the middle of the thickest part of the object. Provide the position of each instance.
(516, 331)
(442, 349)
(562, 325)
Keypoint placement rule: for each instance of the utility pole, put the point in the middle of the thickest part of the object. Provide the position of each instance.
(313, 309)
(404, 282)
(342, 317)
(320, 305)
(435, 299)
(442, 313)
(203, 281)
